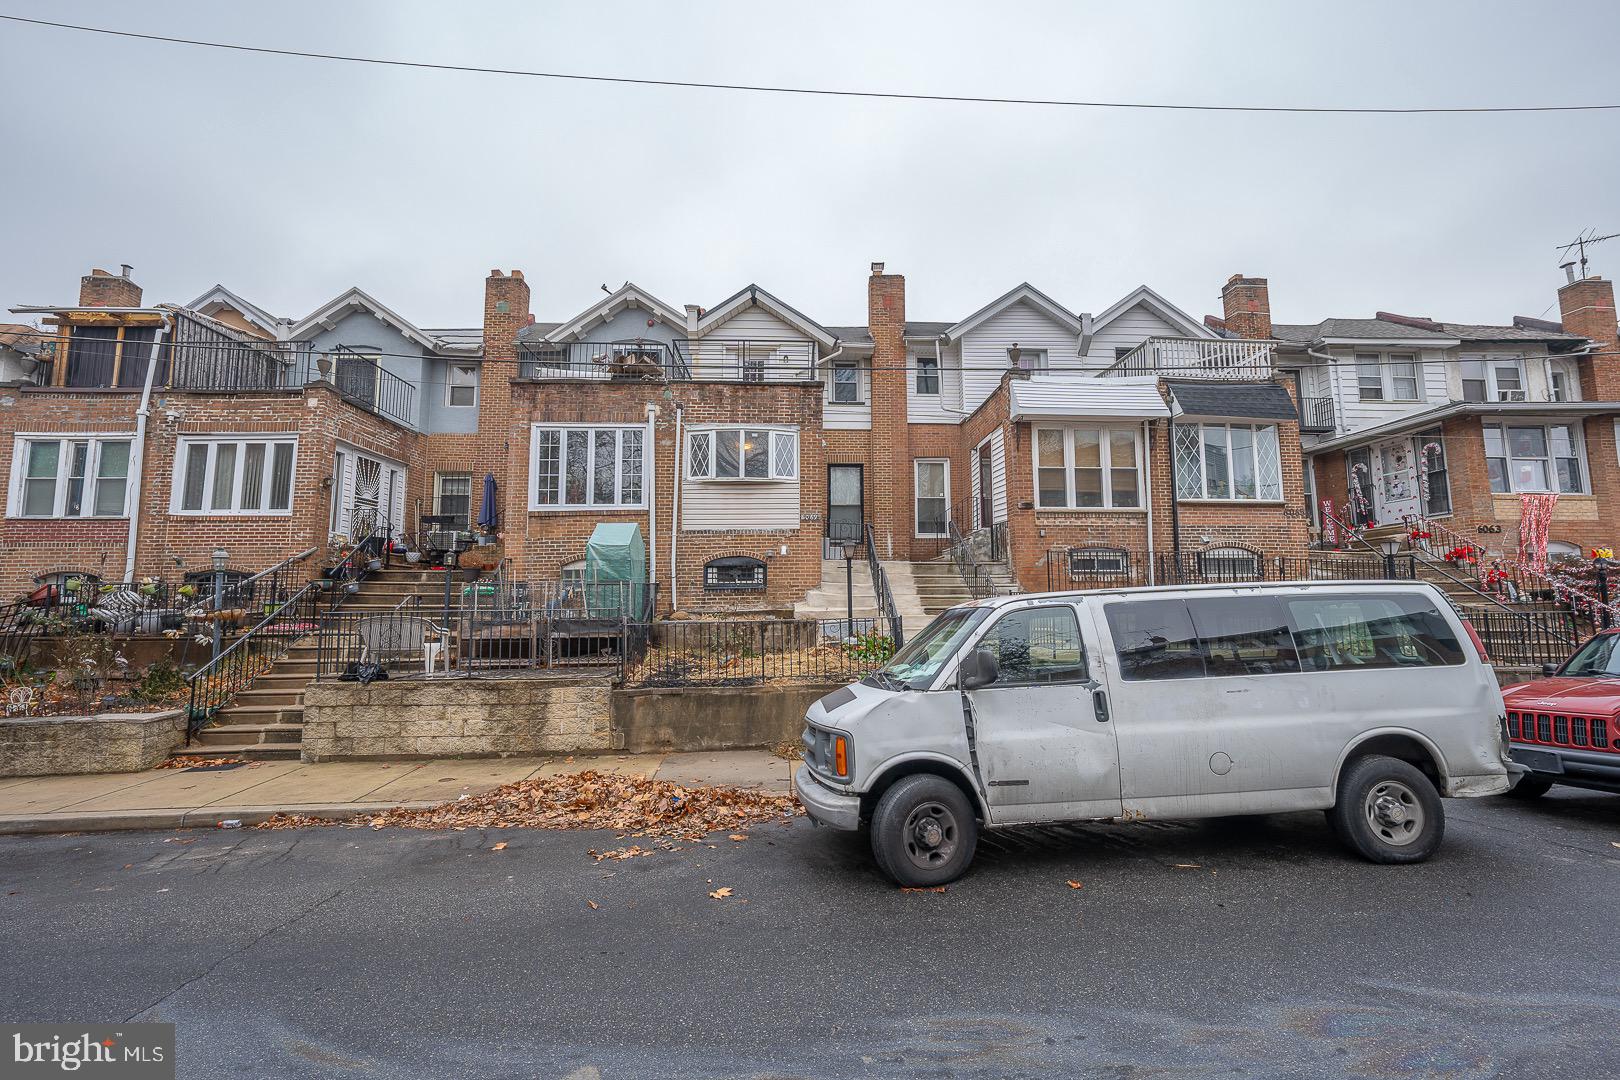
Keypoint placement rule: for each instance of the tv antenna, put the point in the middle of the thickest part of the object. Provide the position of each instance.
(1581, 240)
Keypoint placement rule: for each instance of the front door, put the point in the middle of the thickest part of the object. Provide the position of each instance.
(845, 504)
(1042, 735)
(369, 495)
(987, 515)
(1397, 481)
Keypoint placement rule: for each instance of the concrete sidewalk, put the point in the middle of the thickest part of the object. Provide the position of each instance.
(182, 798)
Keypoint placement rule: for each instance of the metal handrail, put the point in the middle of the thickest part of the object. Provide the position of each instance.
(880, 588)
(233, 670)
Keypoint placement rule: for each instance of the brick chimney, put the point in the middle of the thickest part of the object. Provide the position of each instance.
(506, 311)
(1246, 305)
(99, 288)
(889, 482)
(1586, 307)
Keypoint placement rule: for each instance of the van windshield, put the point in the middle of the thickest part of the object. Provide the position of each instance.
(1600, 656)
(916, 665)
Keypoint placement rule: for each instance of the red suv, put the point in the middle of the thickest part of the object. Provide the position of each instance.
(1565, 729)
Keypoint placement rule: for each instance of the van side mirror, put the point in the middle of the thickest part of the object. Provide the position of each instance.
(979, 669)
(1549, 670)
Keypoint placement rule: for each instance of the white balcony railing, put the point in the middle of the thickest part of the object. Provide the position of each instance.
(1197, 358)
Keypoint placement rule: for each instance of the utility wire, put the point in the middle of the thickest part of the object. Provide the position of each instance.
(815, 91)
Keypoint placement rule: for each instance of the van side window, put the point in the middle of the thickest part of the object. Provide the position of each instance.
(1155, 640)
(1037, 646)
(1243, 635)
(1351, 632)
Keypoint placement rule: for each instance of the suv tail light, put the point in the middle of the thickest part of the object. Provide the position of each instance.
(1473, 635)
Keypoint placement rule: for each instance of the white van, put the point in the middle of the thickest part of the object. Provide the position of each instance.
(1368, 700)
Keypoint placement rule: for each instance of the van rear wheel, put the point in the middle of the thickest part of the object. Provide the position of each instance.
(924, 831)
(1388, 811)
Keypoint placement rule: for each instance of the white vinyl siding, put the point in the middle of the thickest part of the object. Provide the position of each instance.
(944, 407)
(780, 349)
(712, 501)
(80, 476)
(233, 476)
(1126, 330)
(1344, 383)
(984, 348)
(854, 415)
(991, 447)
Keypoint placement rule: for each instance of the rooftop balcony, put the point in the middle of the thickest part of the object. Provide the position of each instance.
(719, 359)
(201, 356)
(1198, 358)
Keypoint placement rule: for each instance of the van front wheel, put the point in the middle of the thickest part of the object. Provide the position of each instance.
(1388, 811)
(924, 831)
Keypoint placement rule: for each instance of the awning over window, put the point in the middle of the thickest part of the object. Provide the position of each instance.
(1232, 400)
(1079, 398)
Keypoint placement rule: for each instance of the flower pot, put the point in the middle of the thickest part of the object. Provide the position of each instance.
(413, 556)
(374, 564)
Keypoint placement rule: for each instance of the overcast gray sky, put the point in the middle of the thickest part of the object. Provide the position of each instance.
(289, 180)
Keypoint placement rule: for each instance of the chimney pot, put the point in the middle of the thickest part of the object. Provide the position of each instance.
(124, 269)
(517, 275)
(877, 268)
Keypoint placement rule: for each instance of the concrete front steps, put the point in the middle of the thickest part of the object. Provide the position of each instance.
(829, 600)
(265, 722)
(939, 583)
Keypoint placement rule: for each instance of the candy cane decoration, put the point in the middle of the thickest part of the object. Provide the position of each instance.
(1358, 500)
(1430, 450)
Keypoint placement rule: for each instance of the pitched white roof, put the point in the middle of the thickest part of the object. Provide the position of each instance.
(219, 296)
(1157, 304)
(627, 295)
(325, 317)
(1028, 294)
(1079, 397)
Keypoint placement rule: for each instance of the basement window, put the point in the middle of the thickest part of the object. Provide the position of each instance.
(737, 573)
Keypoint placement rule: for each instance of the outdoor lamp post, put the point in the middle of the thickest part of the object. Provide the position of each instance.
(1389, 546)
(849, 588)
(221, 559)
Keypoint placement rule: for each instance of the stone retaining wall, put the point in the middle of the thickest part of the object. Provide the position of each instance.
(408, 718)
(104, 743)
(712, 717)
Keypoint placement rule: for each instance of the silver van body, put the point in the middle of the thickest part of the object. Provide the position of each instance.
(1139, 725)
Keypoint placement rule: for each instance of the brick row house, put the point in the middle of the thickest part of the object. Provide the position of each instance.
(748, 441)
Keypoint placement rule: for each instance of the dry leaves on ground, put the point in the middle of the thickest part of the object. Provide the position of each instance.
(499, 847)
(592, 904)
(922, 888)
(634, 851)
(632, 805)
(720, 893)
(1076, 884)
(198, 762)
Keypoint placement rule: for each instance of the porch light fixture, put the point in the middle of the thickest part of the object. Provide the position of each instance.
(221, 558)
(1389, 546)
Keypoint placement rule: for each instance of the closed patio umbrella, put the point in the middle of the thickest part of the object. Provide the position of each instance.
(487, 517)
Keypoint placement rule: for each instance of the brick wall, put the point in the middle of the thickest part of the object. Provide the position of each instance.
(888, 470)
(1246, 303)
(1587, 308)
(98, 288)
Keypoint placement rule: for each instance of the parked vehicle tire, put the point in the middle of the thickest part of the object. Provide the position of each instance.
(1529, 787)
(924, 831)
(1388, 811)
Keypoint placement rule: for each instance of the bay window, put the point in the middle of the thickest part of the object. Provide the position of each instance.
(233, 476)
(70, 478)
(742, 453)
(1534, 458)
(575, 468)
(1087, 468)
(1228, 461)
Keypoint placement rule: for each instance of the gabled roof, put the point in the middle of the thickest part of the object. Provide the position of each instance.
(1157, 304)
(627, 295)
(750, 295)
(219, 296)
(326, 316)
(1359, 330)
(1027, 294)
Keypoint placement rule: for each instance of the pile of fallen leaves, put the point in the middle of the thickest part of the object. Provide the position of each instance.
(623, 802)
(198, 762)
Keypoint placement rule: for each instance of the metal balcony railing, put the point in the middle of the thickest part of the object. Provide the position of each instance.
(717, 359)
(1316, 415)
(1197, 358)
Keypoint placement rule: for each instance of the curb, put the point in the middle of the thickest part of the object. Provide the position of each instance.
(207, 817)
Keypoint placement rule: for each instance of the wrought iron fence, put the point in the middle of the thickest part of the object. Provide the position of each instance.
(881, 591)
(1525, 639)
(611, 361)
(216, 683)
(1119, 568)
(748, 653)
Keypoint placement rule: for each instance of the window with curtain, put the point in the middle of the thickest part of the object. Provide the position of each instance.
(575, 468)
(1534, 458)
(1086, 467)
(742, 453)
(71, 478)
(233, 476)
(1228, 461)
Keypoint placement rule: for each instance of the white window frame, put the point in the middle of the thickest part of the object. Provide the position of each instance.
(1030, 360)
(1493, 390)
(1203, 471)
(855, 381)
(1386, 363)
(438, 496)
(451, 385)
(932, 373)
(20, 451)
(1577, 438)
(1106, 458)
(535, 431)
(916, 518)
(778, 468)
(182, 454)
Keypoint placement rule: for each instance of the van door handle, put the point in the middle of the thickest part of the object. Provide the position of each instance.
(1099, 704)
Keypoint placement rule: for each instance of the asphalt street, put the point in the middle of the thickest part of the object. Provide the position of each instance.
(1253, 948)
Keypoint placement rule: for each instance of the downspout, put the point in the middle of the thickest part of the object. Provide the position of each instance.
(675, 518)
(649, 467)
(137, 452)
(1175, 498)
(1147, 475)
